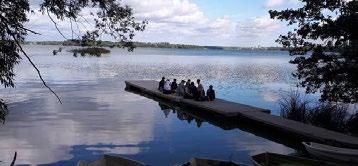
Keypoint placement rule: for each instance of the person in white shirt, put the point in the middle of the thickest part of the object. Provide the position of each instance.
(167, 87)
(201, 91)
(181, 88)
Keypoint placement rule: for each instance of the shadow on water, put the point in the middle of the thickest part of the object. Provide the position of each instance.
(187, 113)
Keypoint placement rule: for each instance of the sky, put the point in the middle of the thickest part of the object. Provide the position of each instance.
(244, 23)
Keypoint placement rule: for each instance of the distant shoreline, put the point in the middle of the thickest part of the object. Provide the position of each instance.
(157, 45)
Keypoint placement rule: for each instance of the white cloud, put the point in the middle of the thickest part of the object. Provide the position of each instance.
(168, 11)
(274, 3)
(182, 21)
(178, 17)
(278, 3)
(256, 27)
(175, 21)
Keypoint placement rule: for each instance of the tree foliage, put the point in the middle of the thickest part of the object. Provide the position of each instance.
(325, 46)
(3, 111)
(112, 18)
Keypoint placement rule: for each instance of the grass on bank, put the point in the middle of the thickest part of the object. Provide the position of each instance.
(332, 116)
(90, 51)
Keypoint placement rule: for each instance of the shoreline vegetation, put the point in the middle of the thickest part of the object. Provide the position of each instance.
(91, 51)
(154, 45)
(329, 115)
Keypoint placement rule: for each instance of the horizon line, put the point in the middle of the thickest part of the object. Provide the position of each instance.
(197, 45)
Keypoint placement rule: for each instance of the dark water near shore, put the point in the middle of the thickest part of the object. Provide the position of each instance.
(99, 117)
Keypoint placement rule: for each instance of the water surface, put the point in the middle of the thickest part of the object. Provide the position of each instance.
(99, 117)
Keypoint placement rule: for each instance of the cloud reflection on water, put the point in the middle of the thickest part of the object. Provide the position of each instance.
(53, 128)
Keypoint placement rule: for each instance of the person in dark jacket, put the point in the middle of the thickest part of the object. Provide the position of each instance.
(194, 90)
(187, 91)
(161, 84)
(210, 93)
(174, 86)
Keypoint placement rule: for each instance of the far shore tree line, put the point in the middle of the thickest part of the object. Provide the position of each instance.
(149, 45)
(324, 41)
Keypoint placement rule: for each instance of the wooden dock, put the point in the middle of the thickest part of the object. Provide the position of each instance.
(222, 107)
(258, 117)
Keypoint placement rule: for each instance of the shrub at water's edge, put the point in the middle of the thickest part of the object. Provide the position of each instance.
(294, 107)
(91, 51)
(329, 116)
(352, 124)
(332, 116)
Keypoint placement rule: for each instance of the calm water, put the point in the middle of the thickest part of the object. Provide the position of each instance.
(99, 117)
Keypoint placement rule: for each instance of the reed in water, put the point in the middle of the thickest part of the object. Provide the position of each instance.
(332, 116)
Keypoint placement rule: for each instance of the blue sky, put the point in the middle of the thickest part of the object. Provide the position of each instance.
(200, 22)
(234, 8)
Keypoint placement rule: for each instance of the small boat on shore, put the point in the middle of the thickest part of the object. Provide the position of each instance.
(273, 159)
(210, 162)
(108, 160)
(331, 152)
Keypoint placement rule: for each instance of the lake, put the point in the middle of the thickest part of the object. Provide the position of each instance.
(99, 117)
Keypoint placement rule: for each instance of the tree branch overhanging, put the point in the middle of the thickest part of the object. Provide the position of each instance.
(38, 71)
(33, 65)
(53, 21)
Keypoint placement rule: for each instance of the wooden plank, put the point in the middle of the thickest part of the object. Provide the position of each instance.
(256, 115)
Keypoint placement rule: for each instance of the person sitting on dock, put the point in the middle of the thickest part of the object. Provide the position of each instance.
(187, 92)
(167, 87)
(211, 93)
(161, 84)
(174, 85)
(181, 88)
(194, 91)
(201, 91)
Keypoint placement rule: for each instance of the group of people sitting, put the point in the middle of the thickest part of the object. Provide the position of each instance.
(187, 89)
